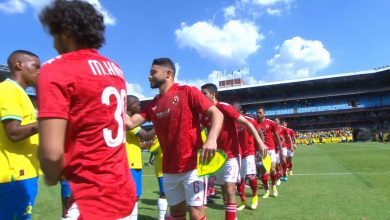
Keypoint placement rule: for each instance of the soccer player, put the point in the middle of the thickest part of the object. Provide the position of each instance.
(82, 102)
(290, 148)
(228, 176)
(175, 114)
(269, 130)
(286, 143)
(133, 147)
(19, 166)
(162, 203)
(248, 165)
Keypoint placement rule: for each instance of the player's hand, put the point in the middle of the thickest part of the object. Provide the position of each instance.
(208, 151)
(263, 150)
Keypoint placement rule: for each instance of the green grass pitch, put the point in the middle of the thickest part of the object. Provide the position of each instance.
(330, 181)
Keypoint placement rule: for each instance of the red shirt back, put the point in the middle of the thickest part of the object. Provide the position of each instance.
(268, 127)
(228, 137)
(292, 135)
(246, 139)
(89, 91)
(176, 119)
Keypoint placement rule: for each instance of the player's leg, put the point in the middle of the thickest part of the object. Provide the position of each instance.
(251, 176)
(284, 164)
(137, 176)
(195, 194)
(17, 198)
(273, 172)
(162, 203)
(241, 184)
(231, 176)
(175, 194)
(65, 197)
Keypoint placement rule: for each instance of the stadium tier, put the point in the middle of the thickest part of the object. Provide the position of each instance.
(341, 100)
(4, 72)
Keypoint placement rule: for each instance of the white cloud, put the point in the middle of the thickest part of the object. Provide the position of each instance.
(20, 6)
(13, 7)
(275, 12)
(229, 12)
(230, 45)
(135, 89)
(298, 58)
(270, 2)
(108, 18)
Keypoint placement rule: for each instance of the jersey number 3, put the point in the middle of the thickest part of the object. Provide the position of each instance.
(119, 116)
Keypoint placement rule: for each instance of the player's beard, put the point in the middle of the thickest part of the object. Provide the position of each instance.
(156, 83)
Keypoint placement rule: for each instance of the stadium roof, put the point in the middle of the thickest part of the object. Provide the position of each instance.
(360, 73)
(325, 78)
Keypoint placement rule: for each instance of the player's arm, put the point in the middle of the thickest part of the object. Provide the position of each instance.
(278, 142)
(147, 135)
(134, 121)
(290, 139)
(282, 140)
(16, 132)
(260, 145)
(52, 133)
(261, 134)
(210, 146)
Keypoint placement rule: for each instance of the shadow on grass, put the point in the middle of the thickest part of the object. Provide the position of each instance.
(145, 217)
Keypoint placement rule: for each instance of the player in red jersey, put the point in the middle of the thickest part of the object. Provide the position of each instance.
(82, 99)
(290, 148)
(175, 114)
(269, 129)
(248, 164)
(228, 176)
(285, 142)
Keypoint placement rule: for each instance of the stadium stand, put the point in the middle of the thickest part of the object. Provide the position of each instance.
(354, 100)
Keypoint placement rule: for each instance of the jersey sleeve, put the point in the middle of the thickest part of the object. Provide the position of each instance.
(230, 111)
(145, 111)
(135, 130)
(54, 91)
(198, 101)
(10, 109)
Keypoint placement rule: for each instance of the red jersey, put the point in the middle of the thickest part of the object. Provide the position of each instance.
(176, 119)
(228, 138)
(268, 127)
(89, 91)
(283, 133)
(246, 139)
(292, 135)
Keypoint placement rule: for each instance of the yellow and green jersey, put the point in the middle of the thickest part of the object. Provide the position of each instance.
(133, 148)
(18, 160)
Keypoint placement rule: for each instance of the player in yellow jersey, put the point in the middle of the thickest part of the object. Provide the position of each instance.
(19, 166)
(133, 147)
(162, 203)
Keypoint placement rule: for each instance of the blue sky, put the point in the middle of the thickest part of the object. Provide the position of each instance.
(259, 40)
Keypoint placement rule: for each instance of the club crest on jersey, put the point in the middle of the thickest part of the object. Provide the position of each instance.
(175, 100)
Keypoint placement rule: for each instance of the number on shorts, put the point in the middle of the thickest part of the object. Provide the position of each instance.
(196, 186)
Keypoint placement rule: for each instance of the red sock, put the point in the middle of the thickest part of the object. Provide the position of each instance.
(241, 189)
(285, 169)
(203, 218)
(253, 184)
(182, 217)
(230, 211)
(273, 178)
(264, 179)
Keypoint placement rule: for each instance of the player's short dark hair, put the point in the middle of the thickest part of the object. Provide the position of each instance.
(15, 52)
(164, 61)
(213, 89)
(77, 18)
(132, 97)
